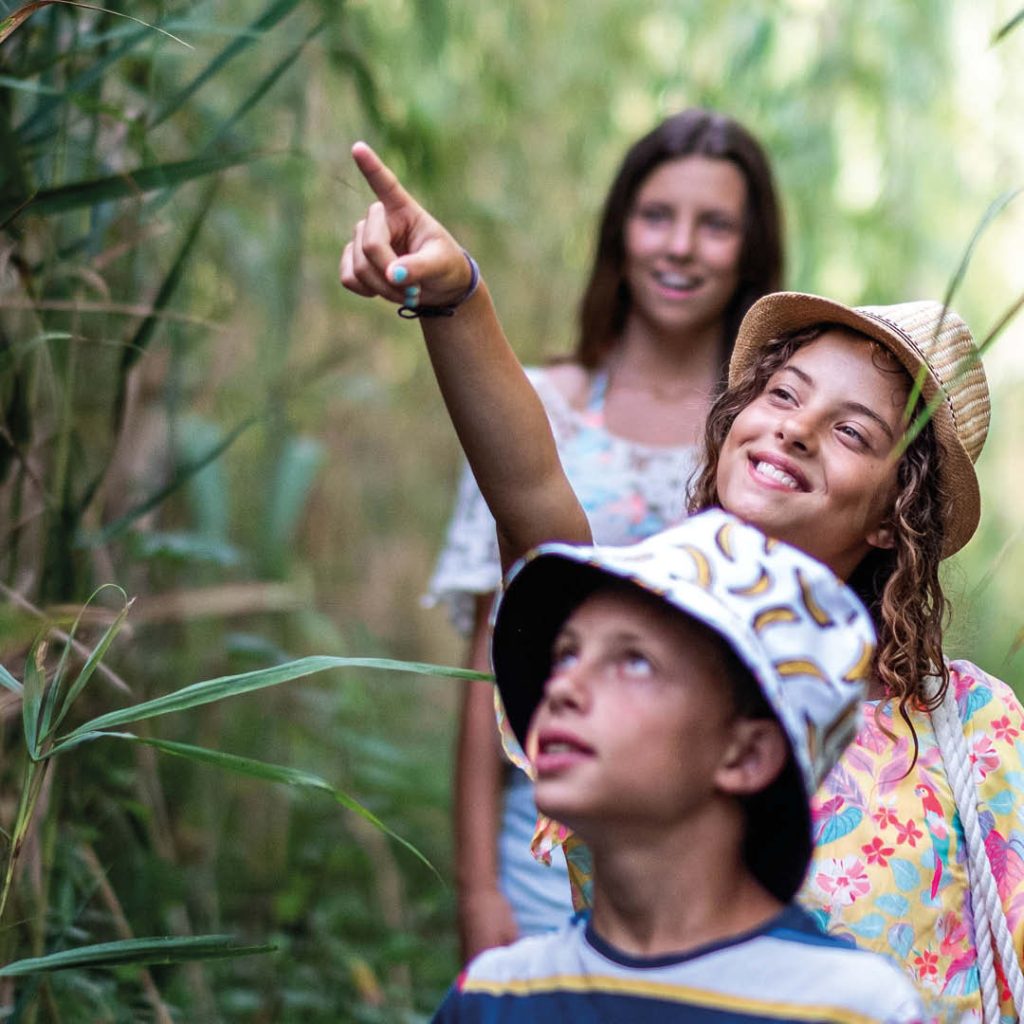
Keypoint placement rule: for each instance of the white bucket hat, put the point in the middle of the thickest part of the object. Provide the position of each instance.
(803, 634)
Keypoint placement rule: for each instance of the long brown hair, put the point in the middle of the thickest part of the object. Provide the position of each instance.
(695, 132)
(899, 586)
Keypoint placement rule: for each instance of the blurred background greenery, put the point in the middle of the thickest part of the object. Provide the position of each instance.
(194, 408)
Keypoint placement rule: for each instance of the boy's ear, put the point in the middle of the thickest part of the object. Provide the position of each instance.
(753, 758)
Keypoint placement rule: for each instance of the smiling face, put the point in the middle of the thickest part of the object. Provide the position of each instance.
(812, 460)
(683, 242)
(636, 720)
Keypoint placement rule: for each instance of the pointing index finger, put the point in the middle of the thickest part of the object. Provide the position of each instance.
(380, 178)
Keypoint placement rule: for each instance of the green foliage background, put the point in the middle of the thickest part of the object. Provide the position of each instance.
(892, 127)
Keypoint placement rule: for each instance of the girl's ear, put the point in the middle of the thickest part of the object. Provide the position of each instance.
(753, 758)
(883, 537)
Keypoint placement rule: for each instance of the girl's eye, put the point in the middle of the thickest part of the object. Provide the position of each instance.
(854, 434)
(782, 393)
(652, 214)
(722, 225)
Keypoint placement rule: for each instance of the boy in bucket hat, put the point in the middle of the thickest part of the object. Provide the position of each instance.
(679, 700)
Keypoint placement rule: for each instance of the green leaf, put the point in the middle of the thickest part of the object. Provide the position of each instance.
(267, 772)
(92, 662)
(265, 85)
(159, 950)
(32, 699)
(212, 690)
(9, 682)
(119, 186)
(267, 20)
(1017, 19)
(181, 476)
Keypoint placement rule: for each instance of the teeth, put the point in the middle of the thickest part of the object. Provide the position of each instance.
(558, 748)
(767, 469)
(677, 281)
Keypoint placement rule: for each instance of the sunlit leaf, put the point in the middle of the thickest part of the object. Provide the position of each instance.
(160, 950)
(213, 690)
(1014, 22)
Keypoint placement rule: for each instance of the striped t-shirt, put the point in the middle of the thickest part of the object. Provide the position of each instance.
(788, 970)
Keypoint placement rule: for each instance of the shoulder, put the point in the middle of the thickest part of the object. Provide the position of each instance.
(567, 382)
(830, 971)
(981, 698)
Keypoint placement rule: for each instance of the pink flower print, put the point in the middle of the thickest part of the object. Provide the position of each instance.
(1004, 729)
(844, 879)
(908, 833)
(927, 965)
(884, 817)
(876, 853)
(983, 757)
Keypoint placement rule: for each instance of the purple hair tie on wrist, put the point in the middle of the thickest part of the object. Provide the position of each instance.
(412, 311)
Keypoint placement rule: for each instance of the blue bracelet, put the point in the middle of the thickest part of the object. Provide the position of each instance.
(411, 310)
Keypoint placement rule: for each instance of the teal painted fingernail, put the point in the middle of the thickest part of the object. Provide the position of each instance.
(412, 296)
(399, 274)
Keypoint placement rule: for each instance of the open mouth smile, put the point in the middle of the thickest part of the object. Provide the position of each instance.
(778, 473)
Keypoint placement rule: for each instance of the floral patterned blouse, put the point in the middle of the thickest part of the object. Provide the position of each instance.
(889, 866)
(629, 491)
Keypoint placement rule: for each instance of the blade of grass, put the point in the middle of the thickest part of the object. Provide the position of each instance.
(267, 20)
(181, 476)
(134, 350)
(995, 208)
(265, 85)
(32, 699)
(94, 659)
(131, 183)
(158, 950)
(1016, 20)
(9, 682)
(20, 16)
(921, 421)
(268, 772)
(212, 690)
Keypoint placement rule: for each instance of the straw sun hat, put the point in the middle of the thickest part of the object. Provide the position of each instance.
(918, 335)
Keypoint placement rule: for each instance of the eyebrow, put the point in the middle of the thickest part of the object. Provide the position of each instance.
(851, 406)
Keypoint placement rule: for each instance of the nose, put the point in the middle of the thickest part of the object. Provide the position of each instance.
(682, 237)
(797, 430)
(566, 688)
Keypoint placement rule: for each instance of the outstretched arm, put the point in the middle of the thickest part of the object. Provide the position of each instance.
(497, 415)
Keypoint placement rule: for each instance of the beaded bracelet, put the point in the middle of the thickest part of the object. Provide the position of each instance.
(411, 310)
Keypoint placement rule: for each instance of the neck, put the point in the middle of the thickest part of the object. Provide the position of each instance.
(665, 893)
(646, 357)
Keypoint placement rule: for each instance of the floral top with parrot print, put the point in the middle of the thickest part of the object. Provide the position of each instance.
(889, 867)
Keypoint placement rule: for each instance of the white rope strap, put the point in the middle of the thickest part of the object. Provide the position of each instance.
(991, 929)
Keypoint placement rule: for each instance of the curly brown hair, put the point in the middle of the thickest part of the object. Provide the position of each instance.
(899, 586)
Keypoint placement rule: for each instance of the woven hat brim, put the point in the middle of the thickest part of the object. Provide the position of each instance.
(781, 312)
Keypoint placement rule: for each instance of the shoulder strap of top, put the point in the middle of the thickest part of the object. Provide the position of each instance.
(598, 390)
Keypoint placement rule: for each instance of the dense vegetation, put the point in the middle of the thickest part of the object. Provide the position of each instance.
(193, 409)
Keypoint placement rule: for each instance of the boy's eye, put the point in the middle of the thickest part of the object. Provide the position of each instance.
(637, 664)
(563, 658)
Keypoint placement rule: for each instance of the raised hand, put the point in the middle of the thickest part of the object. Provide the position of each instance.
(398, 245)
